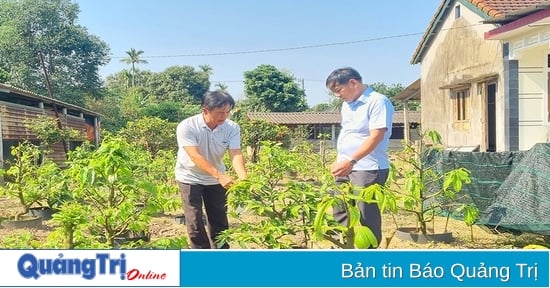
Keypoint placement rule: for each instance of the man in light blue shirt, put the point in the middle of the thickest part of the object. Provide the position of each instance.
(363, 141)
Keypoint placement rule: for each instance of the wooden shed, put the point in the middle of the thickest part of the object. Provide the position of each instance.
(18, 106)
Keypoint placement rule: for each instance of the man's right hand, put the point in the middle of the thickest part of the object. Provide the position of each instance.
(225, 180)
(341, 169)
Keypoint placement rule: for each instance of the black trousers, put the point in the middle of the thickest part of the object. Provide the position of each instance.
(370, 213)
(214, 198)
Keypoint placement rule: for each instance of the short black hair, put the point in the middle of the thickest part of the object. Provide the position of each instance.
(217, 99)
(342, 76)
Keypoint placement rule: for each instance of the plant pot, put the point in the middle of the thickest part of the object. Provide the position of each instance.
(180, 219)
(131, 237)
(44, 212)
(412, 234)
(24, 221)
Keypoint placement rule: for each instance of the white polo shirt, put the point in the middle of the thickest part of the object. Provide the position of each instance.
(212, 145)
(371, 110)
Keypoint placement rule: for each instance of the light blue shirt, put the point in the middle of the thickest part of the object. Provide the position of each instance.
(371, 110)
(212, 144)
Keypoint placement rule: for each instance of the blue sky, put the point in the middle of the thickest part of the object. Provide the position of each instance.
(378, 38)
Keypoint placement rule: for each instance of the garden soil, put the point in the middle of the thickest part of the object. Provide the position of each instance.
(165, 226)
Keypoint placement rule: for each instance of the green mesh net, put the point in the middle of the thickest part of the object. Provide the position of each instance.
(511, 189)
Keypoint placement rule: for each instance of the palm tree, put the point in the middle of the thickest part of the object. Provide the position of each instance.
(221, 86)
(206, 69)
(133, 58)
(125, 77)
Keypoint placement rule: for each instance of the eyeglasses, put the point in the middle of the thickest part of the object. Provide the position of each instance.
(218, 112)
(337, 89)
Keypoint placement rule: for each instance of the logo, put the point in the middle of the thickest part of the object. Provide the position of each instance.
(29, 266)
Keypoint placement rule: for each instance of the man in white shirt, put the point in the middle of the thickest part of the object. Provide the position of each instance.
(363, 141)
(203, 140)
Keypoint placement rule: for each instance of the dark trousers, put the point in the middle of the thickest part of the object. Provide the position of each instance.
(215, 203)
(370, 213)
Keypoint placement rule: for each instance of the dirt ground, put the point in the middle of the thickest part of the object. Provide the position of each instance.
(165, 226)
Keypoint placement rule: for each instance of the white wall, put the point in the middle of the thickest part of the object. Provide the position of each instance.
(532, 95)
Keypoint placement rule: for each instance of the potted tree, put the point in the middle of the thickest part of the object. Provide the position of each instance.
(426, 190)
(283, 207)
(52, 191)
(22, 183)
(110, 182)
(49, 193)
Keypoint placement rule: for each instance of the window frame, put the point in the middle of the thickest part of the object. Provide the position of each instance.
(460, 101)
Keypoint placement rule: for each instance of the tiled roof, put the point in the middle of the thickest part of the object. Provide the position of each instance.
(398, 118)
(501, 8)
(496, 11)
(296, 117)
(302, 118)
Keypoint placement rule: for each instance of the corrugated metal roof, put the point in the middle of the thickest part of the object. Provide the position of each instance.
(309, 118)
(412, 92)
(11, 89)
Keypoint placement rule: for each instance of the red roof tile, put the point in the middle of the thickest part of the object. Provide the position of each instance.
(500, 8)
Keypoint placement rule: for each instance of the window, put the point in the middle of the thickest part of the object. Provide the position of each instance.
(461, 105)
(457, 11)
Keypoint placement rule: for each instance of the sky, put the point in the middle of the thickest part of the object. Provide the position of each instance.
(307, 38)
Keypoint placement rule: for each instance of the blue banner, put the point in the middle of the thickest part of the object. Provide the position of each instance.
(275, 268)
(364, 268)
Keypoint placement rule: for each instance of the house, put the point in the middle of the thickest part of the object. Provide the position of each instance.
(329, 123)
(484, 73)
(17, 106)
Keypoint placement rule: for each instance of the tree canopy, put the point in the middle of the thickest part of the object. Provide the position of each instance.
(171, 95)
(72, 56)
(390, 91)
(268, 89)
(181, 84)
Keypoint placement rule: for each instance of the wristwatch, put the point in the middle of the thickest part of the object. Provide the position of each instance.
(353, 161)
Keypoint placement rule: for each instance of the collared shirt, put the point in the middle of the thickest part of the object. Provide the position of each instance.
(212, 145)
(371, 110)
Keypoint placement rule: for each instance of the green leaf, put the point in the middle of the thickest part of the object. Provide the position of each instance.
(319, 218)
(364, 238)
